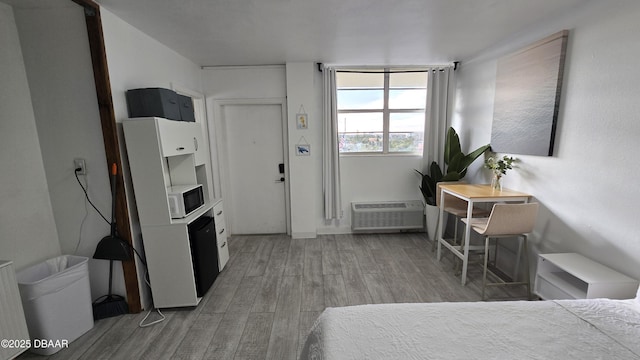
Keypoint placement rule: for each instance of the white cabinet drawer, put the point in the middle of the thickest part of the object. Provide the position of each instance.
(178, 137)
(221, 234)
(218, 214)
(223, 247)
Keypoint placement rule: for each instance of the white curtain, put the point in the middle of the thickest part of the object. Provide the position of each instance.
(330, 150)
(440, 91)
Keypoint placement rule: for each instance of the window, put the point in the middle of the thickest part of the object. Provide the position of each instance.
(381, 111)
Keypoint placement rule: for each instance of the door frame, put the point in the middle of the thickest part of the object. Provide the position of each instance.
(217, 131)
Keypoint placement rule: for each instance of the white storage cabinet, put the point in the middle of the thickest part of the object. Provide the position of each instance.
(221, 234)
(572, 276)
(13, 325)
(162, 153)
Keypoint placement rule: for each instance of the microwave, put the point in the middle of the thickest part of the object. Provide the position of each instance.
(183, 200)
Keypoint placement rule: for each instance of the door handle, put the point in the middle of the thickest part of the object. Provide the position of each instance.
(280, 180)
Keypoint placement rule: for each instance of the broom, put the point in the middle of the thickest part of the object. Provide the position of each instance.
(111, 248)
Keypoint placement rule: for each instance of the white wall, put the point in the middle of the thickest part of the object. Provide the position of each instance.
(58, 63)
(136, 60)
(377, 178)
(364, 178)
(587, 189)
(305, 176)
(28, 232)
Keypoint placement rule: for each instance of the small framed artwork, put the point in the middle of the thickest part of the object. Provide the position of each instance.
(303, 150)
(302, 120)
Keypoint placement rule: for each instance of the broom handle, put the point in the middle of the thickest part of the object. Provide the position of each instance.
(110, 276)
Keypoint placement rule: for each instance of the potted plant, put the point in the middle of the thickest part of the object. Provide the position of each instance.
(456, 164)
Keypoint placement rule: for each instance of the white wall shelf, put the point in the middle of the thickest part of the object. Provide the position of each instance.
(164, 153)
(572, 276)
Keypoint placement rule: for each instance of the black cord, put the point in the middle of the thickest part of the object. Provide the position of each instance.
(87, 196)
(142, 260)
(139, 256)
(105, 219)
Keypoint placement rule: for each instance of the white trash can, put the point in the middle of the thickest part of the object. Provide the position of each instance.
(56, 297)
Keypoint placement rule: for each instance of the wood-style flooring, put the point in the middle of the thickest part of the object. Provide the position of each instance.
(272, 290)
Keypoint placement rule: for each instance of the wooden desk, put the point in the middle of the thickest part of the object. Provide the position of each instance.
(471, 193)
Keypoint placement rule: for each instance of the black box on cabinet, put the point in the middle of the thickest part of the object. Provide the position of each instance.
(186, 108)
(156, 102)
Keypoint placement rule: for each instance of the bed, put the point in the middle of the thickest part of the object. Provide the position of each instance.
(562, 329)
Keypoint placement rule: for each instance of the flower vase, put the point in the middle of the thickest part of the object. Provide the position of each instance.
(496, 182)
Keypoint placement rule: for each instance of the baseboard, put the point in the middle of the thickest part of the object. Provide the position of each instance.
(334, 231)
(304, 235)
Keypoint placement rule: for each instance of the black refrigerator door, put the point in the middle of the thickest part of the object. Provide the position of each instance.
(204, 253)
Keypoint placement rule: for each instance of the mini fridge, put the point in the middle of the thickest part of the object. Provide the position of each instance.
(204, 253)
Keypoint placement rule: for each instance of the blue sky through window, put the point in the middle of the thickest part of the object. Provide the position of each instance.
(360, 99)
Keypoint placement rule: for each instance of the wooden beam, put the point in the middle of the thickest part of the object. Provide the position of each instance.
(111, 143)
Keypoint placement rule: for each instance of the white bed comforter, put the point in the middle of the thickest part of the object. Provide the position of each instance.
(567, 329)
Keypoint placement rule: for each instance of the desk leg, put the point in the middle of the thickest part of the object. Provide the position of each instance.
(439, 231)
(467, 240)
(516, 268)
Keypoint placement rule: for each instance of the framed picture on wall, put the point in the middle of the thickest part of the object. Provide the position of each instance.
(303, 150)
(302, 120)
(527, 99)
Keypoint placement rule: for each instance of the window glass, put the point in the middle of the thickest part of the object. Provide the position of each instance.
(408, 80)
(381, 112)
(360, 122)
(407, 98)
(360, 99)
(355, 80)
(360, 132)
(406, 132)
(360, 142)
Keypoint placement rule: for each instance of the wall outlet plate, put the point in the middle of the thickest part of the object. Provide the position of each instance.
(79, 164)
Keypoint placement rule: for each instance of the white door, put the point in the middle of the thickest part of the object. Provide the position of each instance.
(254, 152)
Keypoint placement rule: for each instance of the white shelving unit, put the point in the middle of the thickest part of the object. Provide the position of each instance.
(164, 153)
(572, 276)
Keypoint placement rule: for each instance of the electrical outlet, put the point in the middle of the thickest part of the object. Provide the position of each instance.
(80, 164)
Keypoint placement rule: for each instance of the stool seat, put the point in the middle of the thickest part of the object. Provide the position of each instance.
(456, 207)
(506, 220)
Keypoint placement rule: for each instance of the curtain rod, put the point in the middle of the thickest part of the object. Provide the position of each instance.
(455, 67)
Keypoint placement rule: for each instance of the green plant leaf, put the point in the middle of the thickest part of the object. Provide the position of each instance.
(436, 173)
(451, 145)
(456, 166)
(428, 183)
(452, 176)
(471, 157)
(455, 163)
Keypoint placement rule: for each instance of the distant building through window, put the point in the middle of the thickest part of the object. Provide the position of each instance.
(381, 111)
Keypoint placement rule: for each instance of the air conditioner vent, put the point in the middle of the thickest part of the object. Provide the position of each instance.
(387, 215)
(390, 205)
